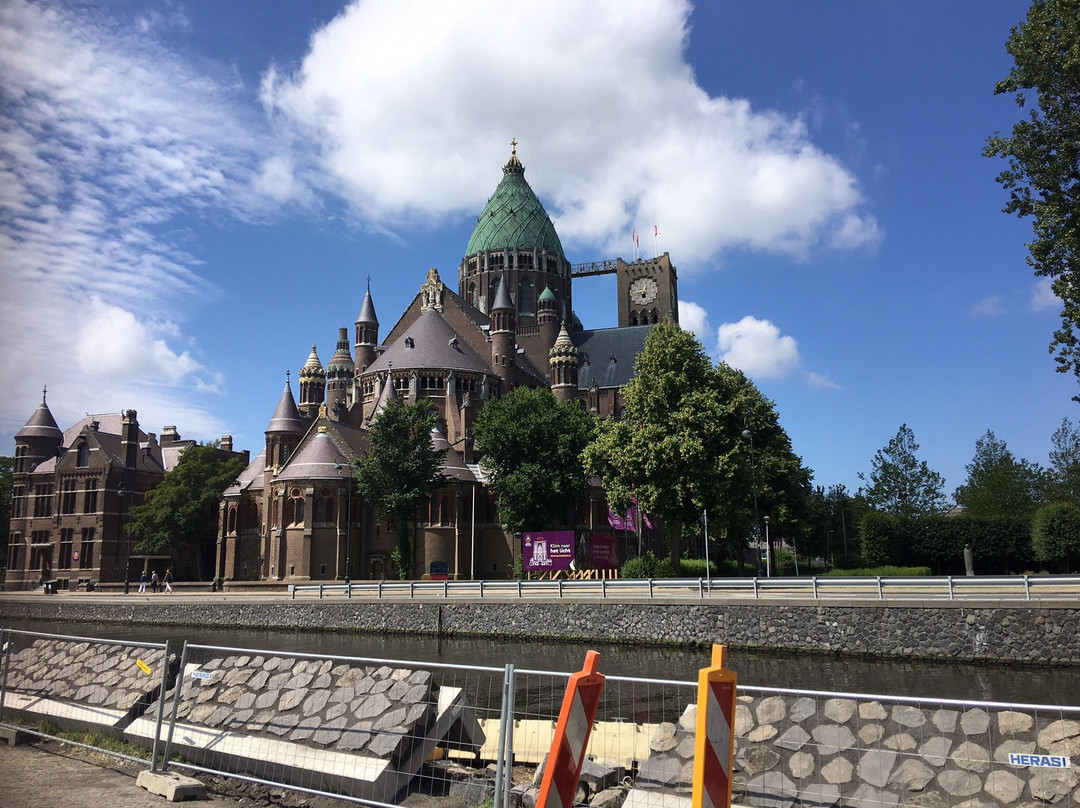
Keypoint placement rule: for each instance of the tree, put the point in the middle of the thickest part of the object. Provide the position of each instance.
(1043, 154)
(998, 485)
(531, 445)
(1064, 482)
(1055, 534)
(181, 511)
(401, 469)
(7, 466)
(679, 449)
(900, 483)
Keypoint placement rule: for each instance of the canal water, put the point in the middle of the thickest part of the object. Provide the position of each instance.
(900, 677)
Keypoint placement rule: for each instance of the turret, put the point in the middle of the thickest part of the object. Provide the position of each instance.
(547, 317)
(367, 333)
(39, 440)
(129, 438)
(312, 386)
(503, 323)
(285, 429)
(564, 367)
(340, 371)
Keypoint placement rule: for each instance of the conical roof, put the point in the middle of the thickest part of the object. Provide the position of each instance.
(514, 217)
(312, 365)
(286, 416)
(367, 310)
(41, 424)
(502, 296)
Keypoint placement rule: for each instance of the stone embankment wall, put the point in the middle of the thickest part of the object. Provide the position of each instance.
(969, 631)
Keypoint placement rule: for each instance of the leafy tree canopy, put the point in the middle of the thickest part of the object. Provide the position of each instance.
(181, 511)
(1043, 154)
(531, 445)
(1064, 484)
(679, 449)
(401, 468)
(998, 485)
(900, 483)
(1055, 534)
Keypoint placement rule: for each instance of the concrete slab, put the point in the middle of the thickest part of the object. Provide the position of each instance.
(13, 737)
(173, 787)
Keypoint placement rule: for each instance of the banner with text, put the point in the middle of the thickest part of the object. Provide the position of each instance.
(604, 551)
(547, 550)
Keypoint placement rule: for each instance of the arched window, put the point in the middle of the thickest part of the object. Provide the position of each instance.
(445, 517)
(324, 506)
(525, 305)
(472, 293)
(296, 507)
(232, 520)
(82, 457)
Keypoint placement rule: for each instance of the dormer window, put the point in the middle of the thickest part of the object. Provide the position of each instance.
(82, 456)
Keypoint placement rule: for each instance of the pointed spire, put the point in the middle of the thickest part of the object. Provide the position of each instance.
(41, 423)
(502, 296)
(513, 165)
(367, 309)
(312, 362)
(286, 417)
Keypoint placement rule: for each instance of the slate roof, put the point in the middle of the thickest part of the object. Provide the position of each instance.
(453, 466)
(430, 342)
(316, 458)
(286, 417)
(41, 424)
(251, 478)
(608, 355)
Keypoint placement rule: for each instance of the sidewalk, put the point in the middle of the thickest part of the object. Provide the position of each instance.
(51, 774)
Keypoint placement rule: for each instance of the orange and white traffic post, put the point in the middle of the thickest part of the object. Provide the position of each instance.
(714, 744)
(563, 768)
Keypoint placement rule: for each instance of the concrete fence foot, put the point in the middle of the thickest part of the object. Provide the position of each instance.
(173, 787)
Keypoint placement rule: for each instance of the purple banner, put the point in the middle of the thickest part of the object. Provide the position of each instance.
(629, 520)
(547, 550)
(604, 551)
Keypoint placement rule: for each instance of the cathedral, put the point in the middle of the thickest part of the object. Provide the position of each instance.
(295, 513)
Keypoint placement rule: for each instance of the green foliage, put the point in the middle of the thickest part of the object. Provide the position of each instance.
(7, 476)
(1000, 545)
(401, 469)
(1055, 534)
(833, 517)
(678, 451)
(999, 485)
(900, 483)
(181, 512)
(647, 566)
(532, 445)
(1064, 483)
(1043, 154)
(879, 535)
(880, 572)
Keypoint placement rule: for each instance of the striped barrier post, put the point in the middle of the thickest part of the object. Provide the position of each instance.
(559, 785)
(714, 744)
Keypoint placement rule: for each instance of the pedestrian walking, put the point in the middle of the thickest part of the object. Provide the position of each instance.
(142, 582)
(168, 580)
(153, 581)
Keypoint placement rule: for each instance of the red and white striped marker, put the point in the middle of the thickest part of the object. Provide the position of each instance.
(559, 785)
(714, 744)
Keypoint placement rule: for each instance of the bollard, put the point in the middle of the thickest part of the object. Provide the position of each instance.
(563, 767)
(714, 742)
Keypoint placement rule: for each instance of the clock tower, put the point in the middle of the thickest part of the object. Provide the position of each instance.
(648, 291)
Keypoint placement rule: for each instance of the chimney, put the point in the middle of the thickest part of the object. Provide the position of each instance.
(129, 438)
(226, 443)
(169, 435)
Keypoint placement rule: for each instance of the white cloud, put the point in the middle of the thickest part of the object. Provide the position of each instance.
(821, 382)
(992, 306)
(694, 318)
(1043, 297)
(605, 107)
(757, 348)
(104, 137)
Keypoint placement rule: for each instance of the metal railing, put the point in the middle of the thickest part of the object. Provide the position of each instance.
(1011, 587)
(372, 731)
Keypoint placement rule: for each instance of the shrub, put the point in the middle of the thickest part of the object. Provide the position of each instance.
(648, 566)
(1055, 534)
(879, 572)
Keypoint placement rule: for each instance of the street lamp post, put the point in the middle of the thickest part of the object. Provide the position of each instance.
(746, 433)
(123, 493)
(348, 523)
(768, 551)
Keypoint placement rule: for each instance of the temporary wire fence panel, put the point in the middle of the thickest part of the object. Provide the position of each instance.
(367, 729)
(866, 750)
(639, 724)
(52, 682)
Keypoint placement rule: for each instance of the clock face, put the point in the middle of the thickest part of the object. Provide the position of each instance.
(643, 291)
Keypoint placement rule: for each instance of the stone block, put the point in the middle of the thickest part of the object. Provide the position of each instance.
(901, 742)
(801, 765)
(839, 710)
(935, 751)
(872, 711)
(975, 721)
(794, 739)
(801, 709)
(876, 766)
(907, 716)
(871, 733)
(771, 710)
(911, 775)
(770, 790)
(1011, 722)
(831, 738)
(173, 787)
(838, 771)
(972, 757)
(959, 783)
(866, 796)
(1004, 786)
(819, 795)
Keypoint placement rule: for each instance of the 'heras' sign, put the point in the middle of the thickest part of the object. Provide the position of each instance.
(1041, 761)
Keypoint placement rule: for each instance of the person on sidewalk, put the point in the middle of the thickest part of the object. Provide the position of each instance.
(168, 580)
(142, 582)
(153, 582)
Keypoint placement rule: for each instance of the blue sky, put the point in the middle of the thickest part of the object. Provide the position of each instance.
(193, 194)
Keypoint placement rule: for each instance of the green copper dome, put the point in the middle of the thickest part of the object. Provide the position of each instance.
(514, 217)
